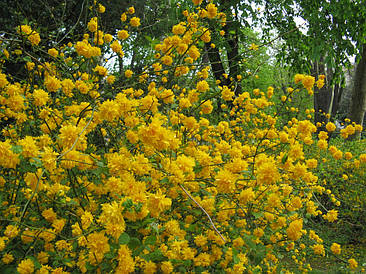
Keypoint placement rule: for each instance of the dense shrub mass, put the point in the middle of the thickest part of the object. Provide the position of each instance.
(102, 172)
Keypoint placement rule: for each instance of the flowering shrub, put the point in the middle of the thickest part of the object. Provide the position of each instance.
(100, 176)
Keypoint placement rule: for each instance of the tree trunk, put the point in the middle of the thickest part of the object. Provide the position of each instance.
(216, 64)
(322, 97)
(358, 104)
(338, 91)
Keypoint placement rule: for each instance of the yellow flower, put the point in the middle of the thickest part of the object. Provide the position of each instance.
(98, 245)
(2, 243)
(131, 10)
(108, 38)
(336, 248)
(29, 147)
(320, 83)
(53, 52)
(227, 94)
(318, 249)
(122, 34)
(308, 82)
(40, 97)
(197, 2)
(270, 91)
(150, 267)
(49, 215)
(253, 47)
(25, 29)
(211, 10)
(11, 231)
(126, 264)
(225, 181)
(330, 127)
(167, 95)
(167, 267)
(111, 79)
(207, 107)
(362, 158)
(323, 135)
(274, 201)
(34, 38)
(26, 267)
(193, 52)
(298, 78)
(179, 29)
(348, 155)
(7, 258)
(93, 24)
(3, 80)
(6, 53)
(52, 83)
(58, 224)
(102, 71)
(331, 216)
(86, 219)
(311, 163)
(202, 86)
(128, 73)
(352, 264)
(294, 230)
(158, 203)
(42, 257)
(109, 110)
(322, 144)
(101, 8)
(116, 46)
(206, 36)
(167, 60)
(30, 66)
(68, 135)
(135, 21)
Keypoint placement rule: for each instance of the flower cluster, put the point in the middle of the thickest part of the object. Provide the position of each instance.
(98, 178)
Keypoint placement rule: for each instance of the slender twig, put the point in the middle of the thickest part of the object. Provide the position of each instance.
(208, 216)
(77, 138)
(320, 203)
(32, 196)
(74, 26)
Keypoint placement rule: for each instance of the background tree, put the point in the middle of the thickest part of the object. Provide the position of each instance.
(335, 31)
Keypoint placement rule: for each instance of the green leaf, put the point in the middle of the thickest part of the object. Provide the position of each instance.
(109, 255)
(8, 270)
(128, 203)
(36, 162)
(134, 243)
(27, 59)
(150, 240)
(17, 149)
(284, 158)
(249, 242)
(154, 256)
(124, 239)
(258, 214)
(89, 266)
